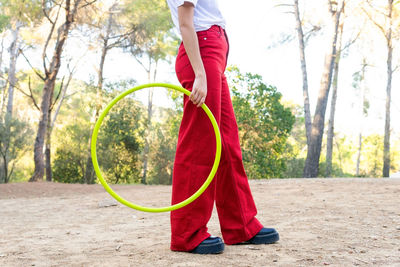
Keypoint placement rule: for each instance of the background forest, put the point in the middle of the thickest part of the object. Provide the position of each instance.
(57, 60)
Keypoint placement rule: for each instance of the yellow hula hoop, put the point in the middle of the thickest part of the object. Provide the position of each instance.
(152, 209)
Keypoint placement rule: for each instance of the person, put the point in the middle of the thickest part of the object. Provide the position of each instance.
(200, 66)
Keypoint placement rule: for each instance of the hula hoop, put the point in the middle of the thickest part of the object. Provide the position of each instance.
(152, 209)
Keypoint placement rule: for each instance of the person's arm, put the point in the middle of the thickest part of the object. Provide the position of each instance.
(191, 43)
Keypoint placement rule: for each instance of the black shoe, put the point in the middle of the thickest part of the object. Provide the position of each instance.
(211, 245)
(265, 236)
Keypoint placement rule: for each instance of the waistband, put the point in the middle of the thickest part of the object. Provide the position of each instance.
(213, 28)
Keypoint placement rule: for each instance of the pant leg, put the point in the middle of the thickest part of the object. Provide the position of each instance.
(194, 156)
(234, 201)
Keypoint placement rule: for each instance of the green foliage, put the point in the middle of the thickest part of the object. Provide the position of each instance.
(361, 90)
(152, 22)
(264, 124)
(15, 137)
(120, 142)
(296, 150)
(337, 171)
(372, 155)
(70, 158)
(294, 167)
(27, 12)
(162, 153)
(4, 21)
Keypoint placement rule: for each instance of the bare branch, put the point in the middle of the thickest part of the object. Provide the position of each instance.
(140, 62)
(374, 22)
(124, 35)
(284, 5)
(34, 69)
(45, 13)
(88, 3)
(63, 96)
(56, 3)
(377, 10)
(58, 95)
(31, 94)
(11, 171)
(44, 57)
(22, 91)
(351, 42)
(121, 39)
(28, 95)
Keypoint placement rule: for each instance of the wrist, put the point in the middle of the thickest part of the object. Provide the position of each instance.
(200, 74)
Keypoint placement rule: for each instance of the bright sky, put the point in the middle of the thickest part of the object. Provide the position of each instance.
(252, 28)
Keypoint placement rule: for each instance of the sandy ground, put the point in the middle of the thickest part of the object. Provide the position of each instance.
(336, 222)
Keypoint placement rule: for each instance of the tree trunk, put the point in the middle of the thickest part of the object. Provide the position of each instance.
(146, 151)
(3, 89)
(306, 99)
(331, 124)
(41, 133)
(5, 169)
(147, 138)
(359, 154)
(49, 173)
(89, 171)
(362, 111)
(1, 53)
(48, 88)
(317, 130)
(386, 141)
(11, 73)
(10, 102)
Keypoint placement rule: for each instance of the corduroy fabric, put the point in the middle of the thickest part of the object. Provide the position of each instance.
(196, 151)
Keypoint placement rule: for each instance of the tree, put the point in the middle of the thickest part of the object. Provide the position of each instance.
(363, 106)
(120, 139)
(14, 140)
(120, 142)
(373, 151)
(151, 42)
(70, 10)
(306, 98)
(110, 31)
(264, 124)
(69, 159)
(16, 15)
(165, 135)
(388, 22)
(52, 120)
(317, 130)
(331, 123)
(296, 144)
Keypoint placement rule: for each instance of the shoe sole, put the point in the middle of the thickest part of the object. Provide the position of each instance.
(264, 239)
(216, 248)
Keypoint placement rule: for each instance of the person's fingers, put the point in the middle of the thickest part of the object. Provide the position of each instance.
(196, 100)
(197, 96)
(201, 101)
(193, 95)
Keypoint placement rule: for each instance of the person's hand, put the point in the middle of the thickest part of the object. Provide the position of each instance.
(199, 90)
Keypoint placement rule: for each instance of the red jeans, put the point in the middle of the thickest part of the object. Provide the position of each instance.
(196, 151)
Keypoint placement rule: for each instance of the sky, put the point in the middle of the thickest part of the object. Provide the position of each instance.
(252, 29)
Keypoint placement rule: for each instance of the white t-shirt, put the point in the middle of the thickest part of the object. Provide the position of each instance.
(206, 13)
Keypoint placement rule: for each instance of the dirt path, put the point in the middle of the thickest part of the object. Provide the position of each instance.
(335, 222)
